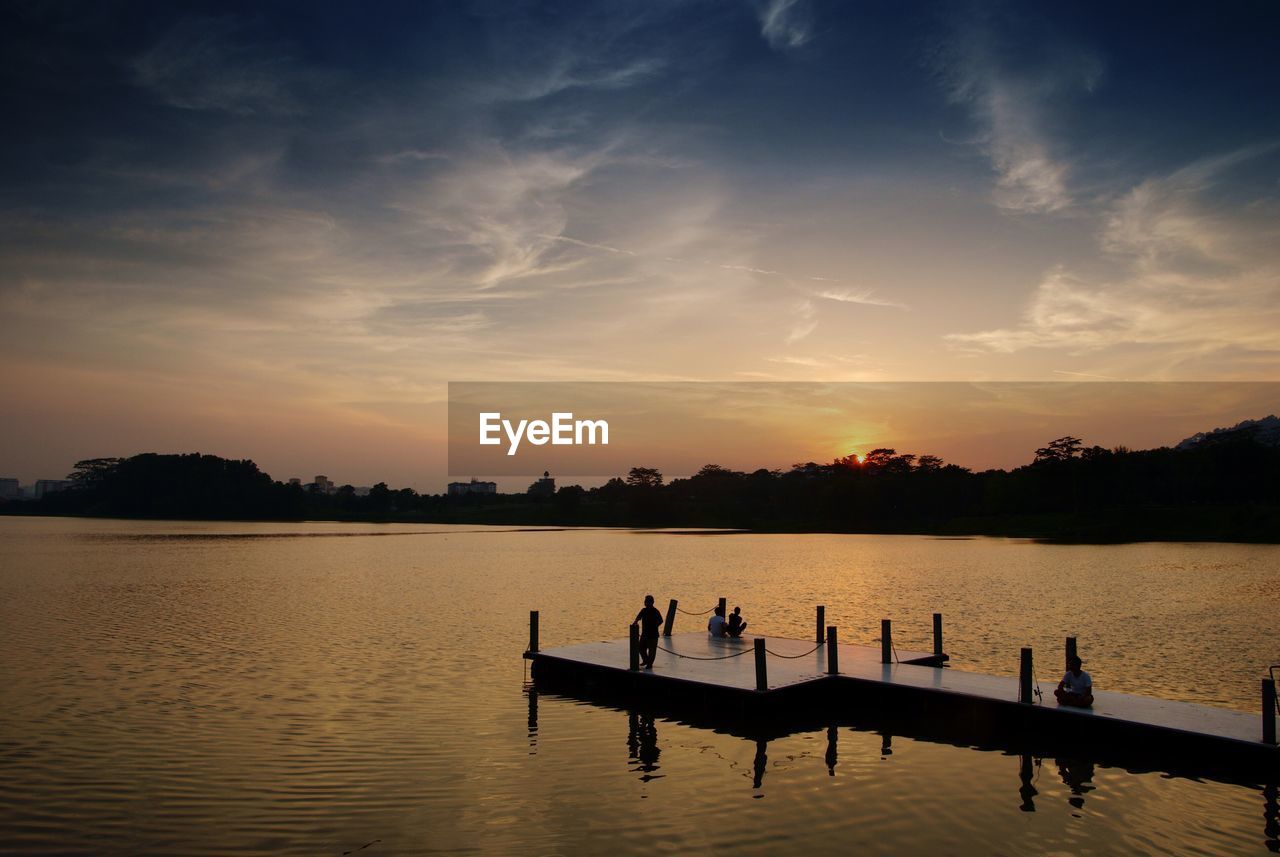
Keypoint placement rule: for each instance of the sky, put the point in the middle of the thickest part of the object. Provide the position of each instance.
(278, 230)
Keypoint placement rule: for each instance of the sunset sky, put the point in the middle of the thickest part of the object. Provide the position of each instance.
(276, 231)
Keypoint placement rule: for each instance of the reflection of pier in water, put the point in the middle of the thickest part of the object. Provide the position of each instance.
(1075, 772)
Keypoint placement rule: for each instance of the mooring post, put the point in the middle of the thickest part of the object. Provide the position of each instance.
(1024, 677)
(937, 633)
(762, 673)
(671, 618)
(634, 635)
(723, 608)
(1268, 711)
(886, 641)
(1071, 651)
(533, 630)
(833, 651)
(822, 624)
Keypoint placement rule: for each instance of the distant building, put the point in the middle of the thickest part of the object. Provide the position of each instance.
(475, 486)
(9, 489)
(362, 490)
(544, 487)
(293, 480)
(324, 485)
(44, 487)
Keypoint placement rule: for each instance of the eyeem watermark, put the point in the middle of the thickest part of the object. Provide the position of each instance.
(563, 430)
(526, 428)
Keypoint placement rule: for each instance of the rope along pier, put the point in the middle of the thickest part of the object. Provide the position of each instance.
(793, 657)
(696, 658)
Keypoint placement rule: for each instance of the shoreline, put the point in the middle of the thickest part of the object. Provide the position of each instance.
(1048, 530)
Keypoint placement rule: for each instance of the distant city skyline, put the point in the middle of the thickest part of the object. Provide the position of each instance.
(277, 234)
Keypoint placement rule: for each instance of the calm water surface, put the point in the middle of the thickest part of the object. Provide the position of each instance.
(197, 688)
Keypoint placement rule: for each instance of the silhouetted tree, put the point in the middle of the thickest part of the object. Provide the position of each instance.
(929, 463)
(1062, 449)
(93, 471)
(644, 477)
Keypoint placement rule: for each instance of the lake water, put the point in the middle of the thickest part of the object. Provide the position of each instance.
(200, 688)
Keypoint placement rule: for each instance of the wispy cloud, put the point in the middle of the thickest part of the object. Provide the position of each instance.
(1010, 105)
(1195, 276)
(748, 269)
(587, 244)
(209, 64)
(502, 209)
(574, 72)
(1093, 375)
(805, 322)
(785, 24)
(864, 296)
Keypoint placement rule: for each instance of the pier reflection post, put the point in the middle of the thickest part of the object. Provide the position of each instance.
(760, 763)
(532, 692)
(833, 739)
(1026, 790)
(1271, 816)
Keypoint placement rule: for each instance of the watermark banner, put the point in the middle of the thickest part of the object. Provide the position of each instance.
(603, 429)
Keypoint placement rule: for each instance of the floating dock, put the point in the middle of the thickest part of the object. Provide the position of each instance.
(774, 681)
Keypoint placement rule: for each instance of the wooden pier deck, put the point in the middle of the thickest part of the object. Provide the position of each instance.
(797, 677)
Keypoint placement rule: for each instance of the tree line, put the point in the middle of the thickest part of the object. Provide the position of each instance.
(1227, 490)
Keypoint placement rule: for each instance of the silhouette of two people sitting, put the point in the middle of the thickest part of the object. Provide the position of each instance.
(1076, 687)
(719, 627)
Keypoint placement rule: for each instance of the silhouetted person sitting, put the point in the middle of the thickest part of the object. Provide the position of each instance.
(1076, 687)
(736, 625)
(649, 620)
(716, 626)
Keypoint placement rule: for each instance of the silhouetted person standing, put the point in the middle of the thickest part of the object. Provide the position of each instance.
(650, 621)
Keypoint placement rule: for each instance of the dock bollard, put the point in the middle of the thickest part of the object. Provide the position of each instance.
(822, 624)
(762, 672)
(937, 633)
(1070, 650)
(533, 630)
(1024, 677)
(886, 641)
(671, 618)
(634, 635)
(723, 606)
(1268, 711)
(833, 651)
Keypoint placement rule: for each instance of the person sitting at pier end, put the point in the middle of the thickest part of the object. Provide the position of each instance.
(736, 625)
(650, 620)
(716, 626)
(1076, 687)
